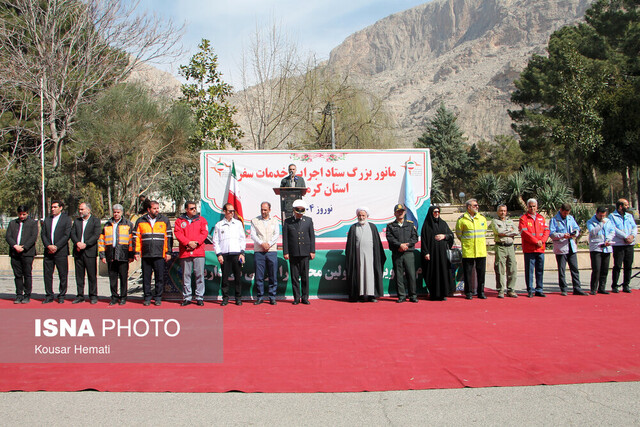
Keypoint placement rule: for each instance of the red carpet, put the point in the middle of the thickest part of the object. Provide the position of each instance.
(334, 346)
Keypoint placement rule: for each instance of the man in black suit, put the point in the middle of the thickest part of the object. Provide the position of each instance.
(55, 233)
(298, 245)
(84, 235)
(292, 180)
(21, 236)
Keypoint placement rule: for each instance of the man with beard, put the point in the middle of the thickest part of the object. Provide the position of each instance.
(292, 180)
(84, 235)
(153, 242)
(623, 242)
(365, 259)
(55, 233)
(436, 237)
(601, 234)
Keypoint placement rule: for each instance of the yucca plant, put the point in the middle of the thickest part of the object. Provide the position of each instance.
(515, 189)
(552, 195)
(489, 189)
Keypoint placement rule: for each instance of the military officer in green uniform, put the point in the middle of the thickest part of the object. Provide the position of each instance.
(402, 237)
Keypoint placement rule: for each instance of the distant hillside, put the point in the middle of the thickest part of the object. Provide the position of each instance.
(465, 53)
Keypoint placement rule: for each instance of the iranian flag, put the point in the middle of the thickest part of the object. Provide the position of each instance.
(234, 195)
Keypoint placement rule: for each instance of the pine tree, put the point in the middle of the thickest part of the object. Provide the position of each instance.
(449, 154)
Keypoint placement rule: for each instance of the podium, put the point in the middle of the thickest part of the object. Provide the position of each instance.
(287, 196)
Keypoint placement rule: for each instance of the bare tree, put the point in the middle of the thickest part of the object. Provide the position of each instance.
(70, 50)
(273, 80)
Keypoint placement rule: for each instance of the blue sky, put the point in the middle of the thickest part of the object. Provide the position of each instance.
(316, 26)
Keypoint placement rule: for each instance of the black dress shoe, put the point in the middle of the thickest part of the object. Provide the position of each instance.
(60, 300)
(413, 299)
(47, 300)
(113, 302)
(258, 301)
(541, 295)
(529, 294)
(123, 301)
(94, 300)
(593, 292)
(78, 300)
(158, 302)
(18, 299)
(614, 289)
(224, 302)
(25, 300)
(580, 293)
(200, 303)
(295, 302)
(238, 302)
(468, 296)
(146, 303)
(401, 300)
(306, 302)
(482, 296)
(373, 299)
(626, 290)
(563, 293)
(272, 302)
(604, 292)
(185, 302)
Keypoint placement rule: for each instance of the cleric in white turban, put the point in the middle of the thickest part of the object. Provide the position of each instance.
(365, 259)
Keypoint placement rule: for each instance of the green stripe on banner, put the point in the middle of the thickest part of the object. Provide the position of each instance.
(327, 276)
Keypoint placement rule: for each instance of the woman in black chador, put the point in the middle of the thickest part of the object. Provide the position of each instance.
(436, 238)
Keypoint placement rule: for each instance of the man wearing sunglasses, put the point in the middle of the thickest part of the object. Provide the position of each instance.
(471, 229)
(229, 243)
(298, 246)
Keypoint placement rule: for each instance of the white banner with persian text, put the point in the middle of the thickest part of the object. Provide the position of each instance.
(337, 183)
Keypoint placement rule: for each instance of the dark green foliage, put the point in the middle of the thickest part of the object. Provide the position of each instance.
(208, 99)
(449, 155)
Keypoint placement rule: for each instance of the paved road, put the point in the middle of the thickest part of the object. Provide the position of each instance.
(582, 404)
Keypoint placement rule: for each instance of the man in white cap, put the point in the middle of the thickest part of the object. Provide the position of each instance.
(365, 259)
(298, 245)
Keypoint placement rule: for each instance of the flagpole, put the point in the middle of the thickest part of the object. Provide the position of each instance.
(44, 207)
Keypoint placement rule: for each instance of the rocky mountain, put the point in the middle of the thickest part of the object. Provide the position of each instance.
(160, 83)
(465, 53)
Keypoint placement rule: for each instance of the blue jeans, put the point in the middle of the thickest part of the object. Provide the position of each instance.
(268, 261)
(533, 261)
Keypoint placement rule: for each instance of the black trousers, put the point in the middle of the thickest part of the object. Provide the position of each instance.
(622, 255)
(85, 264)
(572, 260)
(599, 270)
(22, 266)
(231, 263)
(467, 268)
(59, 261)
(299, 267)
(404, 267)
(118, 270)
(153, 265)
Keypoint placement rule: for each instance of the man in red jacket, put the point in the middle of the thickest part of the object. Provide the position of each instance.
(191, 230)
(534, 232)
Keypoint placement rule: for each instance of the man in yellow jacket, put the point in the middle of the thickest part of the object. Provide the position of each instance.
(471, 229)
